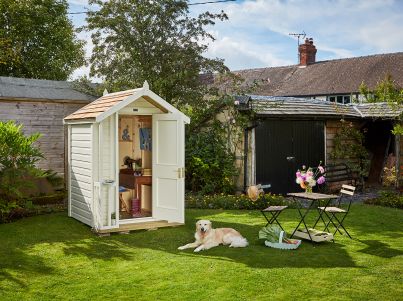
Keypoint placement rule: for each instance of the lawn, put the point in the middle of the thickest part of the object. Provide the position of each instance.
(53, 257)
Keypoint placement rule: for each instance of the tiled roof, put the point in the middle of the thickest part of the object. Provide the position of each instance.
(291, 106)
(342, 76)
(14, 87)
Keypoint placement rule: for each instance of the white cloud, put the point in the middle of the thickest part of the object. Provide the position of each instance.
(78, 2)
(342, 28)
(256, 34)
(241, 53)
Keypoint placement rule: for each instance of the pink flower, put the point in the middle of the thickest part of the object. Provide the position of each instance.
(321, 180)
(321, 169)
(298, 174)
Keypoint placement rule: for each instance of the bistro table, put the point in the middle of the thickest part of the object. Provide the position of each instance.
(313, 198)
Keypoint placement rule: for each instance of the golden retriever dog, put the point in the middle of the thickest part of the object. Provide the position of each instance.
(207, 237)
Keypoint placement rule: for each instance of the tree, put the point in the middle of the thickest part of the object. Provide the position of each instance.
(37, 40)
(388, 92)
(157, 41)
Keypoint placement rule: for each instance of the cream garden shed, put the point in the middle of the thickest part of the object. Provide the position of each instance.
(126, 162)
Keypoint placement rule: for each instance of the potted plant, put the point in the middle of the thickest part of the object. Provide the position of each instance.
(113, 219)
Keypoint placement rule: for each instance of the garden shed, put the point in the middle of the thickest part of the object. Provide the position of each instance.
(126, 162)
(289, 132)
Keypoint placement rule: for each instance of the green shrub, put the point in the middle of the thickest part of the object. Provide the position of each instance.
(233, 202)
(13, 210)
(42, 200)
(387, 198)
(18, 156)
(349, 148)
(210, 165)
(6, 209)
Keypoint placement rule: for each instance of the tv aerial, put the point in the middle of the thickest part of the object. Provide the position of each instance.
(298, 35)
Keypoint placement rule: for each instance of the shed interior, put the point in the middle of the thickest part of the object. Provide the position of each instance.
(135, 170)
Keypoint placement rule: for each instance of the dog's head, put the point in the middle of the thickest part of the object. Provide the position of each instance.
(203, 226)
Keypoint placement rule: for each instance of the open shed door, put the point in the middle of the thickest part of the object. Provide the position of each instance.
(168, 153)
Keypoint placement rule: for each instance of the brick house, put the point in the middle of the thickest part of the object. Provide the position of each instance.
(298, 110)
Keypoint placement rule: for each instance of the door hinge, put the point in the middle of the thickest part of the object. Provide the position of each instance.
(181, 172)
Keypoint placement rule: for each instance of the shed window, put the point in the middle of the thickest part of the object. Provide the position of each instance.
(342, 99)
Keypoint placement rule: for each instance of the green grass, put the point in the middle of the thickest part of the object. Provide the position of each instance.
(53, 257)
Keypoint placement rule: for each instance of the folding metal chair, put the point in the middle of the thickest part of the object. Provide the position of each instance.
(275, 212)
(341, 209)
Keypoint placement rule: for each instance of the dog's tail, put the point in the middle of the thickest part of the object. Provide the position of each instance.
(239, 242)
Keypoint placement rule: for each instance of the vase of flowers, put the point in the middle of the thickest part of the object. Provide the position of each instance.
(307, 178)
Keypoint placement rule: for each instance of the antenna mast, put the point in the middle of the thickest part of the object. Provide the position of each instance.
(298, 35)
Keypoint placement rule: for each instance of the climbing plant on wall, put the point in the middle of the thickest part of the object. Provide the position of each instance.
(388, 92)
(349, 148)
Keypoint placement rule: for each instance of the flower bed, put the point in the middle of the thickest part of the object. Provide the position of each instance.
(387, 198)
(222, 201)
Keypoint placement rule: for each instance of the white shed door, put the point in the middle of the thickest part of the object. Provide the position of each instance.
(168, 152)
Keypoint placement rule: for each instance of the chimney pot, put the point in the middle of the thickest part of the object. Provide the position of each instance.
(307, 52)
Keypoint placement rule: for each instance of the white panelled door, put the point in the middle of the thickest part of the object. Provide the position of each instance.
(168, 156)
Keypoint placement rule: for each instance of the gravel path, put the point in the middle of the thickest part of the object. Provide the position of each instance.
(362, 196)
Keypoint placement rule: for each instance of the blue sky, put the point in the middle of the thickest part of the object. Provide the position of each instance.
(256, 34)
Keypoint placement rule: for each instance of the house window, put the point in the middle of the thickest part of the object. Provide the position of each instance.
(342, 99)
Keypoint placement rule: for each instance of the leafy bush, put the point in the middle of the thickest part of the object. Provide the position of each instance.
(387, 198)
(18, 156)
(233, 202)
(349, 148)
(210, 165)
(6, 210)
(11, 211)
(57, 198)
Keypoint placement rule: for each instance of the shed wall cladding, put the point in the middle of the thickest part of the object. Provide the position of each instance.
(47, 119)
(107, 170)
(81, 173)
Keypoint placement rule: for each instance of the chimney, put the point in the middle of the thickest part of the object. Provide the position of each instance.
(307, 52)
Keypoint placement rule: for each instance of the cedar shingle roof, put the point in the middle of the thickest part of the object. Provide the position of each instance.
(342, 76)
(100, 105)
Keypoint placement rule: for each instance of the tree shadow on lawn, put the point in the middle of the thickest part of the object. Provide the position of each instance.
(380, 249)
(72, 238)
(256, 255)
(28, 245)
(23, 263)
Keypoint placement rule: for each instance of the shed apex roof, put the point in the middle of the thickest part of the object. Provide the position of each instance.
(25, 88)
(106, 105)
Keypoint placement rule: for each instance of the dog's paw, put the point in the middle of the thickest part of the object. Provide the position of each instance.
(181, 248)
(197, 250)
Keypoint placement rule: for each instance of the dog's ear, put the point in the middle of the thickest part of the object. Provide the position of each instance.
(197, 225)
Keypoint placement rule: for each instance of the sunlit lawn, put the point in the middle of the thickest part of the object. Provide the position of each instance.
(53, 257)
